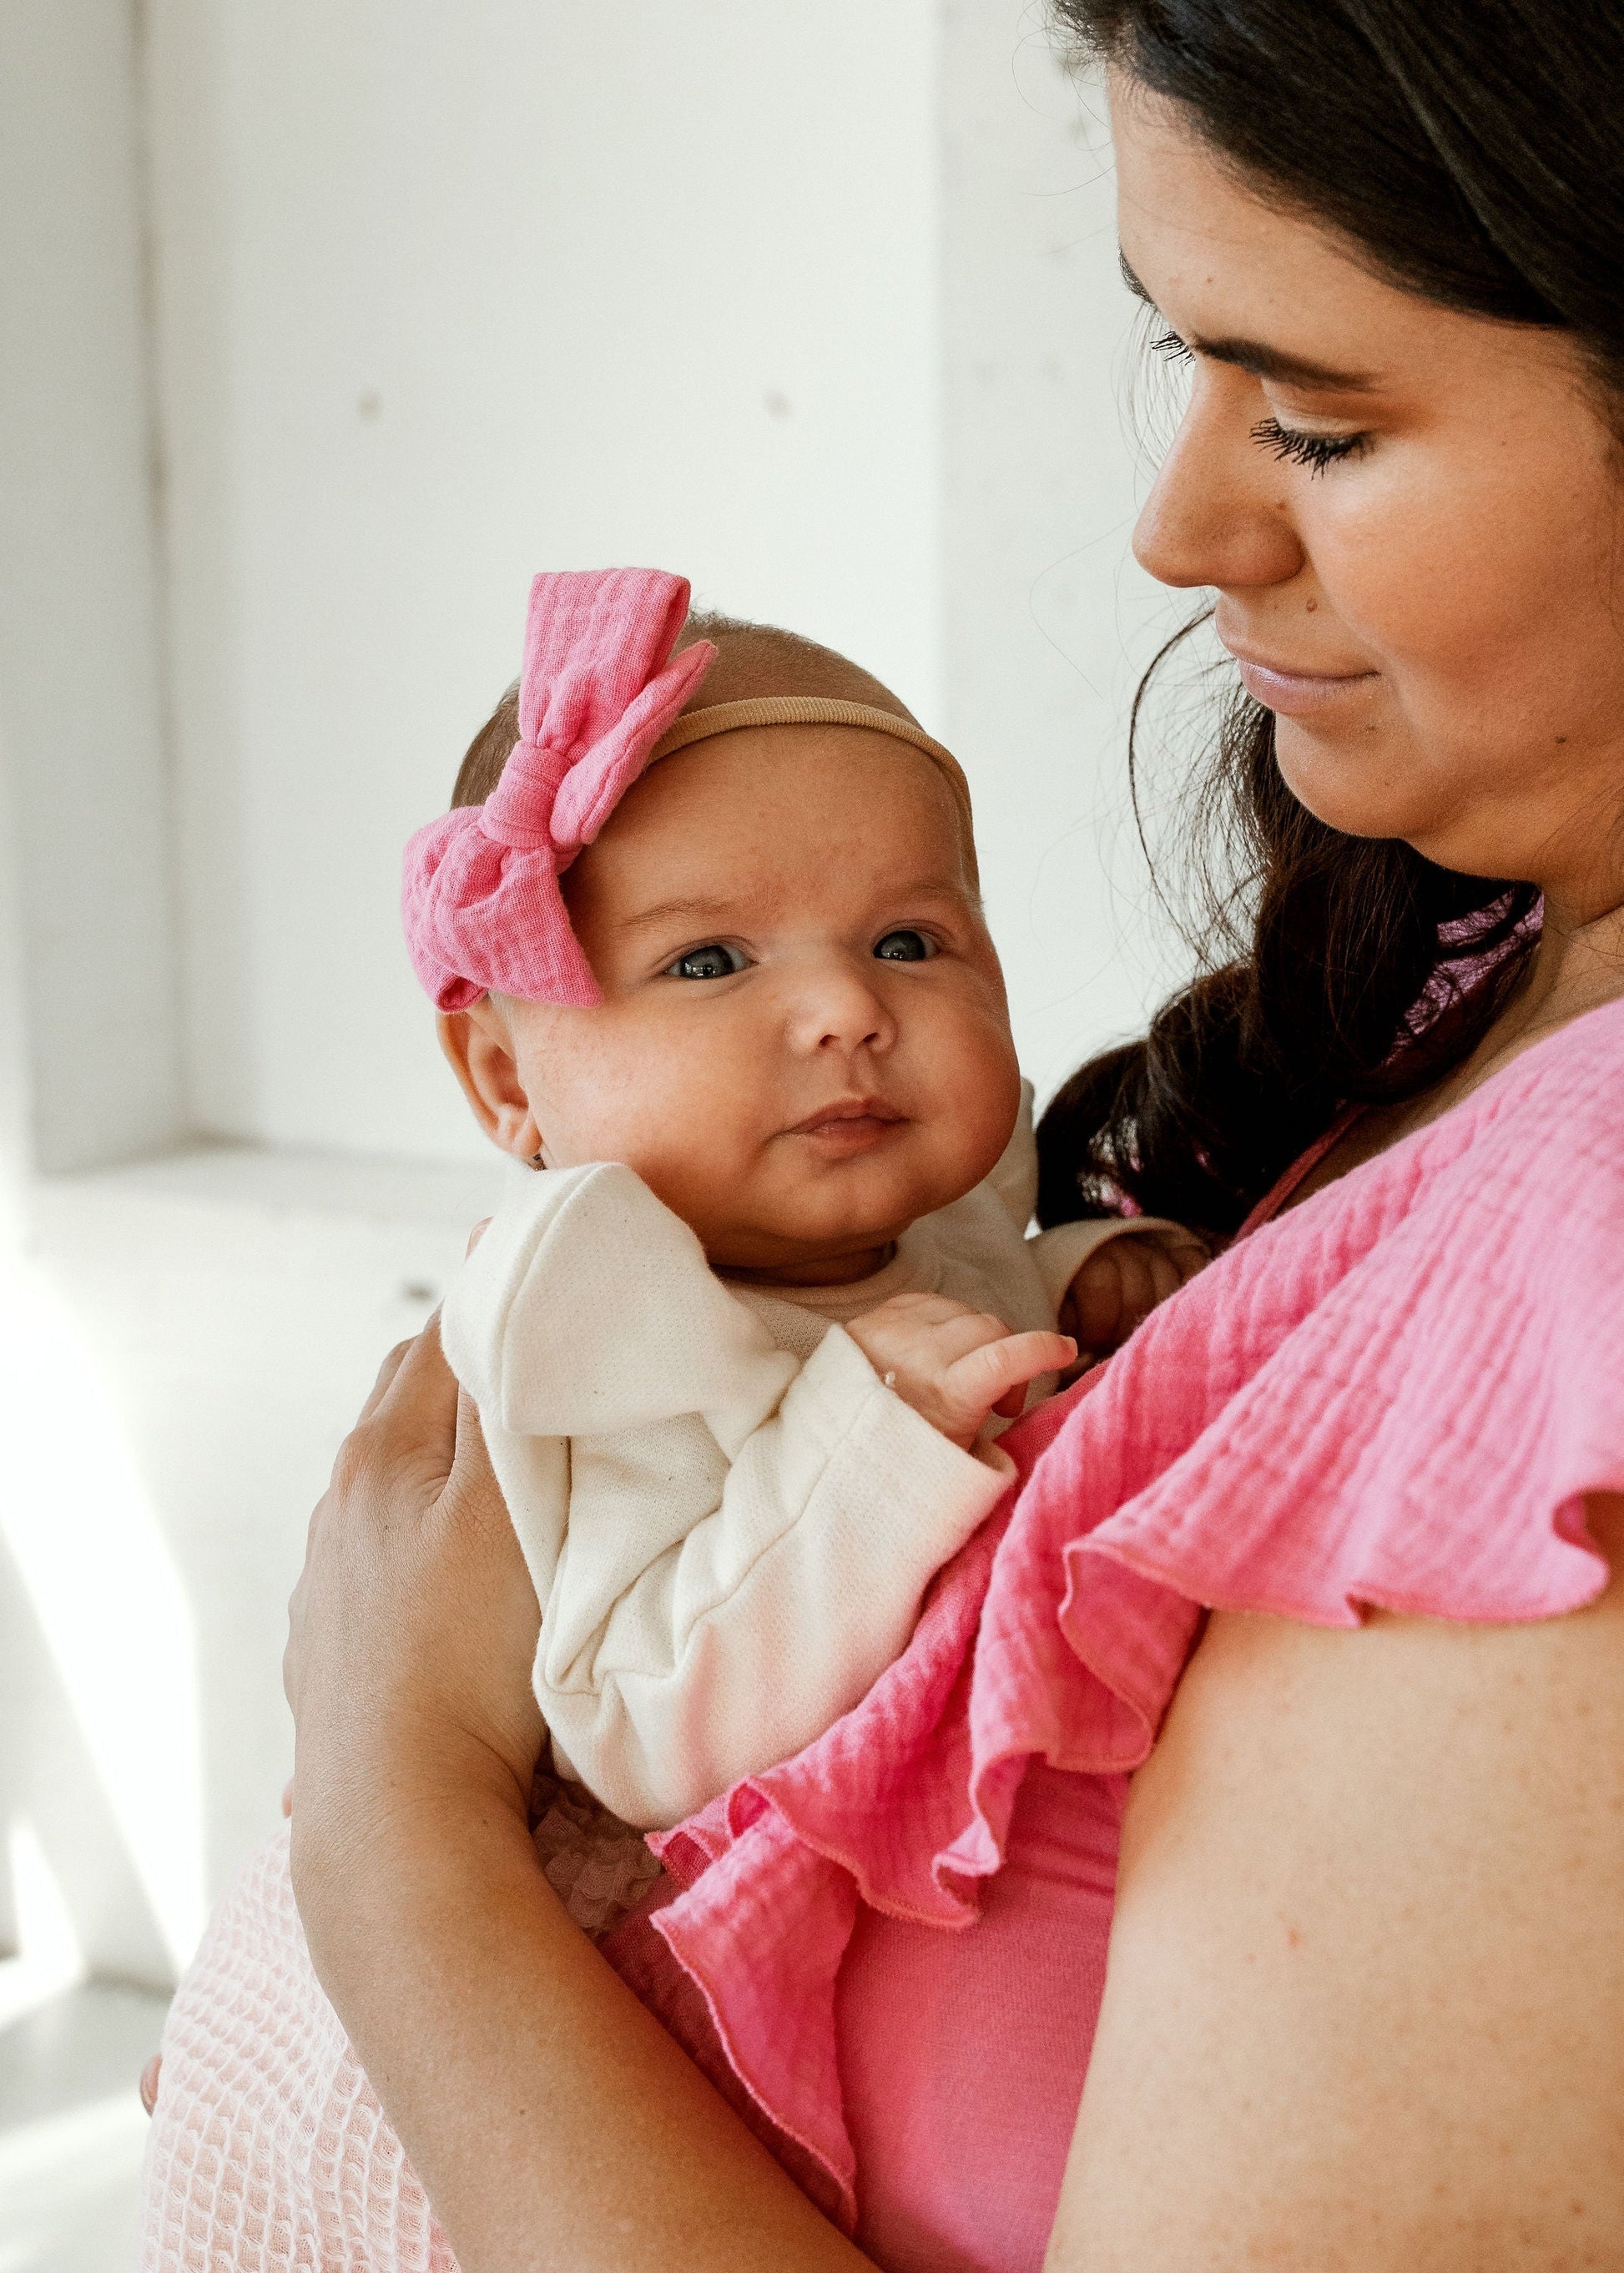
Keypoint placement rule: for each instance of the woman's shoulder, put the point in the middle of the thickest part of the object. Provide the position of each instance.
(1398, 1396)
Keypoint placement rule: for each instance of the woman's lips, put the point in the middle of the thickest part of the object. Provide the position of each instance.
(1295, 693)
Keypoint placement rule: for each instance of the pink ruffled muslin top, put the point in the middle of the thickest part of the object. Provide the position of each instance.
(890, 1952)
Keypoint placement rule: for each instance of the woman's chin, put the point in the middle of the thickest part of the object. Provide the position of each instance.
(1359, 784)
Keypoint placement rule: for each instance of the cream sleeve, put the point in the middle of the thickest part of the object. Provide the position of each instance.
(734, 1545)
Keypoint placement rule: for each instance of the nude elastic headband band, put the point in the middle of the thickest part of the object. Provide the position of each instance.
(600, 699)
(819, 710)
(802, 711)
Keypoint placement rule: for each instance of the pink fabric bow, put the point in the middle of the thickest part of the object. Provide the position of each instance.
(480, 898)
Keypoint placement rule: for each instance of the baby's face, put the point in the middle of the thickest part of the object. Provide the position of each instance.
(803, 1044)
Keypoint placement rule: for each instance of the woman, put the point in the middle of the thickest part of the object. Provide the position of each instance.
(1365, 1998)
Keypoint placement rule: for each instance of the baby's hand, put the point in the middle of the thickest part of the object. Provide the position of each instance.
(1121, 1283)
(954, 1365)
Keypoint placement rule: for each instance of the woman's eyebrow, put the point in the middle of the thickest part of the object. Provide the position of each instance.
(1261, 360)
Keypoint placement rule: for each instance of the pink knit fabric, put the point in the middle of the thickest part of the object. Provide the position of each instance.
(480, 899)
(268, 2149)
(1397, 1394)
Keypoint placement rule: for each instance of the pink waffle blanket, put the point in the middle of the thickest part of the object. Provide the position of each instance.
(1397, 1394)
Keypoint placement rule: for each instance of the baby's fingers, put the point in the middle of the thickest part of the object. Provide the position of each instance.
(983, 1378)
(1187, 1254)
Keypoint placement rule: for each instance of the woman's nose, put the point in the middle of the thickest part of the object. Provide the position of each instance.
(1215, 515)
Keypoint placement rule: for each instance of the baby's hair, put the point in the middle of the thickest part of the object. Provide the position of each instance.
(751, 659)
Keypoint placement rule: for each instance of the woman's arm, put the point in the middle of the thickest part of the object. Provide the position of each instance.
(1366, 2003)
(552, 2122)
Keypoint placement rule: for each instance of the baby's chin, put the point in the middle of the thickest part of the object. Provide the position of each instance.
(793, 1241)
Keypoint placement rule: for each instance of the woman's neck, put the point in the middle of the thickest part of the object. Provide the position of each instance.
(1577, 965)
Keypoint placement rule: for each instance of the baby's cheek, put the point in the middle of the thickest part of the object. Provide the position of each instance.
(979, 1092)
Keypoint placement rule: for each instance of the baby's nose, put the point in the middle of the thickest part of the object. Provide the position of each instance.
(840, 1010)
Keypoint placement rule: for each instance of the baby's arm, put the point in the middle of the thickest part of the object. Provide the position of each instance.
(1106, 1274)
(777, 1610)
(734, 1545)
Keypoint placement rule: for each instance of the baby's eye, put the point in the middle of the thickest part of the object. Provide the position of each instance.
(714, 961)
(905, 947)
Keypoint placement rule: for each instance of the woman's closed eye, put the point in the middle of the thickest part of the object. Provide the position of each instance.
(1293, 444)
(715, 960)
(1314, 451)
(904, 947)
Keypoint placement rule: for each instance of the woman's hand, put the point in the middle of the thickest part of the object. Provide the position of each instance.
(549, 2116)
(412, 1629)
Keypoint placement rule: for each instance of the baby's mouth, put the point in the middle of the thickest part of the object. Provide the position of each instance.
(849, 1125)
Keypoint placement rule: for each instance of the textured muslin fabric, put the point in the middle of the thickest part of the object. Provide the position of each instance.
(1397, 1394)
(269, 2151)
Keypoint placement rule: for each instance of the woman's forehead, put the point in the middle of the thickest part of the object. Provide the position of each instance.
(1236, 268)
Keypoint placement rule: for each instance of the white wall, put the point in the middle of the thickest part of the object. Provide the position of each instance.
(89, 1026)
(449, 295)
(820, 305)
(1048, 622)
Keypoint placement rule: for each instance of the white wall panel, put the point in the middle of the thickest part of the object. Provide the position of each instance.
(87, 1019)
(448, 295)
(1049, 622)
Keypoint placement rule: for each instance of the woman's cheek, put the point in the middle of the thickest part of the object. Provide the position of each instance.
(1376, 553)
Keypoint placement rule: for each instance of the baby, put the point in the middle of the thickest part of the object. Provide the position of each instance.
(704, 933)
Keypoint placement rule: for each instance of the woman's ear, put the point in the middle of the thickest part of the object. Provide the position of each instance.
(479, 1050)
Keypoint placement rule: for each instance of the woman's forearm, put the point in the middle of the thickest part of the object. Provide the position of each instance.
(551, 2120)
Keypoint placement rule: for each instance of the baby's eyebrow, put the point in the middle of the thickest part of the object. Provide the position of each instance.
(703, 911)
(667, 911)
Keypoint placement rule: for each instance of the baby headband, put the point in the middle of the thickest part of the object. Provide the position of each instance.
(599, 700)
(822, 710)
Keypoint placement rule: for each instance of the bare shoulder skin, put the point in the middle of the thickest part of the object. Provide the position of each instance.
(1366, 2003)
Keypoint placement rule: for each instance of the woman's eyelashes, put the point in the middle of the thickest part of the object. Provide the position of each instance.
(1291, 443)
(1314, 451)
(715, 960)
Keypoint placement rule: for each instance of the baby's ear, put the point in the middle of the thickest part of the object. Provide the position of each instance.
(479, 1050)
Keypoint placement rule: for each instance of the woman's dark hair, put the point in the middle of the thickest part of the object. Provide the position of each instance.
(1473, 150)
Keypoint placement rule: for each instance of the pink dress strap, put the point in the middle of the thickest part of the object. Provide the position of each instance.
(1269, 1206)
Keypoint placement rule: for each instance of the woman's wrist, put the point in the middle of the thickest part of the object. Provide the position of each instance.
(381, 1830)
